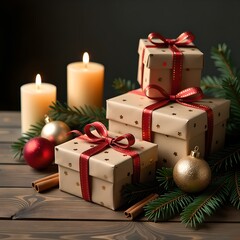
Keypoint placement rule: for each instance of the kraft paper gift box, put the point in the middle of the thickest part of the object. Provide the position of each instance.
(176, 129)
(155, 66)
(109, 170)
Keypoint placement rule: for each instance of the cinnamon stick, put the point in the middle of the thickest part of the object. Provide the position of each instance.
(137, 208)
(46, 183)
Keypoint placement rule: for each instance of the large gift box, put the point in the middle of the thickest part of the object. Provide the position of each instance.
(109, 170)
(176, 128)
(156, 65)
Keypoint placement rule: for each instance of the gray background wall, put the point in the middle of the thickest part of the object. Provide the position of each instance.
(43, 36)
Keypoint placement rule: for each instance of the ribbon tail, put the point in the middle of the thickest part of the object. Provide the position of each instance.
(84, 169)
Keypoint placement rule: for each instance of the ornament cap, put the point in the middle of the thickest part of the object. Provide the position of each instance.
(47, 119)
(195, 152)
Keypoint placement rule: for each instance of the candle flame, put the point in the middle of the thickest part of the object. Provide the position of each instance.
(85, 58)
(38, 81)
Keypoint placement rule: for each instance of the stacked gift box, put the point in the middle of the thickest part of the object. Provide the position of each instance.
(176, 126)
(167, 116)
(109, 169)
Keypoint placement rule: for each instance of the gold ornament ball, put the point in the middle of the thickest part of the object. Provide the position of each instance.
(191, 173)
(55, 131)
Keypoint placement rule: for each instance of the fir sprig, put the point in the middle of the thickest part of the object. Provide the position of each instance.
(234, 187)
(165, 177)
(75, 118)
(34, 131)
(122, 85)
(226, 159)
(167, 205)
(221, 56)
(226, 85)
(205, 204)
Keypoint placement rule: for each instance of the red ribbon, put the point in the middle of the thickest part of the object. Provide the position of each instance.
(183, 40)
(103, 141)
(184, 97)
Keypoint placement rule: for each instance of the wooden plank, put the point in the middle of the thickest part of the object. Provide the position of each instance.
(26, 203)
(113, 230)
(9, 134)
(21, 175)
(10, 119)
(7, 155)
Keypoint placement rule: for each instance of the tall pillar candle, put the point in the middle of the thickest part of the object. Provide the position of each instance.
(85, 82)
(35, 101)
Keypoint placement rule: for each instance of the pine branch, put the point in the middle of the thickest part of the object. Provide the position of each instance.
(123, 86)
(212, 86)
(234, 188)
(34, 131)
(167, 205)
(223, 62)
(77, 118)
(165, 178)
(226, 159)
(206, 204)
(232, 92)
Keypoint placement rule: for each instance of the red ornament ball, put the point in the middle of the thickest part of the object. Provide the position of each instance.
(38, 152)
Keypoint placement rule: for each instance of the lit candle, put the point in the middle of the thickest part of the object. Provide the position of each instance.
(85, 82)
(35, 101)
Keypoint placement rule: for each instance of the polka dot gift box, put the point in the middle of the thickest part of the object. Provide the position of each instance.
(173, 64)
(174, 127)
(97, 172)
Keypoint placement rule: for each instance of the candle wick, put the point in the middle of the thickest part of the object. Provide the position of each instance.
(38, 86)
(86, 65)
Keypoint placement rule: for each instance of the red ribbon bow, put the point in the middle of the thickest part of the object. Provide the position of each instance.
(104, 141)
(185, 97)
(183, 40)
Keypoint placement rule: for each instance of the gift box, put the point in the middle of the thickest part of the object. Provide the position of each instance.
(155, 66)
(177, 129)
(109, 170)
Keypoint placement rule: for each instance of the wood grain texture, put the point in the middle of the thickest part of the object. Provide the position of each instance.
(26, 214)
(9, 134)
(21, 175)
(7, 155)
(26, 203)
(112, 230)
(10, 119)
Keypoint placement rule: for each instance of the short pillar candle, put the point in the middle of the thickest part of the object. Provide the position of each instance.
(85, 82)
(35, 101)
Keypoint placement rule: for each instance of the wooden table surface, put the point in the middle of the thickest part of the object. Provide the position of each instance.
(26, 214)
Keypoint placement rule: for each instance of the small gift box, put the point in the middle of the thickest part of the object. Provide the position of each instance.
(97, 165)
(175, 127)
(173, 64)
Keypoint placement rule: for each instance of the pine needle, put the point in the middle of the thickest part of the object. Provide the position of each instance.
(206, 204)
(223, 61)
(75, 118)
(168, 205)
(234, 188)
(165, 177)
(122, 85)
(18, 146)
(226, 159)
